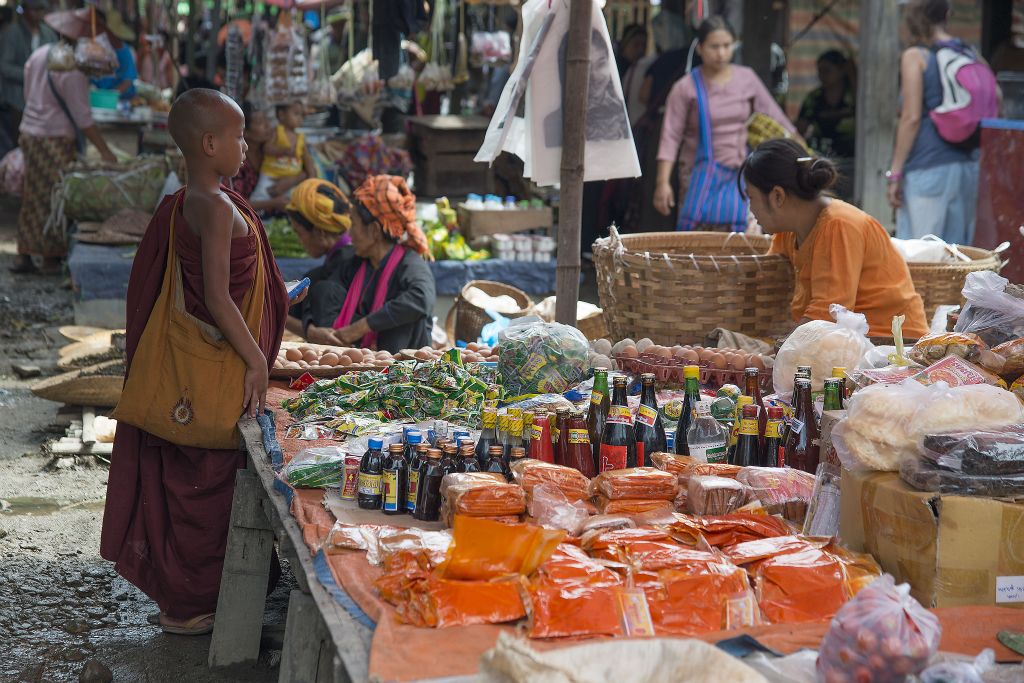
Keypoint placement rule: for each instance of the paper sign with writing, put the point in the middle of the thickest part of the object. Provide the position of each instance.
(1009, 589)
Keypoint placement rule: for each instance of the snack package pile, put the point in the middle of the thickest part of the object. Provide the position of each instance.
(542, 358)
(316, 468)
(483, 498)
(635, 491)
(882, 635)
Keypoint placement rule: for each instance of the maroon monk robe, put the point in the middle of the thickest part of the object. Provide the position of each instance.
(168, 507)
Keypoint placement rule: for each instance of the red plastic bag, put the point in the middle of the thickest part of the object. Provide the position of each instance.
(882, 635)
(645, 483)
(529, 473)
(573, 595)
(725, 530)
(482, 549)
(802, 587)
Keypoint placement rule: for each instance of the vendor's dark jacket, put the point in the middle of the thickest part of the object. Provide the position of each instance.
(326, 292)
(404, 321)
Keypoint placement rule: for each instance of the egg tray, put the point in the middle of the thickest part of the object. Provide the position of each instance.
(669, 372)
(320, 372)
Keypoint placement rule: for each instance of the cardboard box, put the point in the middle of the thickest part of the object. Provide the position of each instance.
(827, 452)
(479, 222)
(952, 550)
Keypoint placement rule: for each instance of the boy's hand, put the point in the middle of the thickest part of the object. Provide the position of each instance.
(255, 393)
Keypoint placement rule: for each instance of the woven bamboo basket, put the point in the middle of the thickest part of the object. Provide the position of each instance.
(941, 284)
(594, 327)
(466, 320)
(97, 385)
(675, 287)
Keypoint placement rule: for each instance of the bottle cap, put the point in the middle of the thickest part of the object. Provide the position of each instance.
(750, 412)
(647, 377)
(775, 413)
(376, 444)
(434, 453)
(517, 452)
(495, 450)
(752, 372)
(396, 448)
(415, 438)
(619, 379)
(691, 372)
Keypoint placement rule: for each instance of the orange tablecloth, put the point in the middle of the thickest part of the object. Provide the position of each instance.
(428, 653)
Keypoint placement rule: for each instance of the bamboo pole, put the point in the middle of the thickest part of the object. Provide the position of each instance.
(574, 113)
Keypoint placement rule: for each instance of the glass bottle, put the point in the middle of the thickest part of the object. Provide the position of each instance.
(515, 429)
(415, 468)
(734, 431)
(648, 428)
(371, 469)
(518, 454)
(579, 455)
(618, 443)
(774, 453)
(706, 439)
(748, 450)
(802, 438)
(541, 447)
(449, 458)
(496, 462)
(562, 421)
(597, 414)
(428, 497)
(802, 372)
(833, 394)
(752, 388)
(488, 435)
(527, 429)
(503, 430)
(692, 375)
(467, 458)
(839, 372)
(396, 481)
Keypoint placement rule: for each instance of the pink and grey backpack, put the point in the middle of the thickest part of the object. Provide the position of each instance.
(968, 95)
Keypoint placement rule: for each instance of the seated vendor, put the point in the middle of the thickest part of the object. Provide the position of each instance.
(389, 296)
(319, 214)
(841, 255)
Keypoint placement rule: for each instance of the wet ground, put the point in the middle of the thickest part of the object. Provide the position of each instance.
(63, 610)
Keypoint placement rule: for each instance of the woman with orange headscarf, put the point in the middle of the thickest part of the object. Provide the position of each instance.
(389, 300)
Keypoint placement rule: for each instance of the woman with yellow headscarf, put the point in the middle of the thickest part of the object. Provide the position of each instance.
(320, 216)
(390, 294)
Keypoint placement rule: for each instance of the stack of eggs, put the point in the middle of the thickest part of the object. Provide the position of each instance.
(306, 357)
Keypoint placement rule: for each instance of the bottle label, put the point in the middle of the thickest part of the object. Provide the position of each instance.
(620, 415)
(555, 434)
(596, 397)
(537, 433)
(647, 415)
(773, 430)
(749, 427)
(369, 484)
(712, 453)
(781, 459)
(634, 612)
(579, 436)
(414, 486)
(351, 485)
(390, 482)
(613, 457)
(490, 420)
(797, 426)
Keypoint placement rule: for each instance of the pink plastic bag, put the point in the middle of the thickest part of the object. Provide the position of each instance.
(881, 636)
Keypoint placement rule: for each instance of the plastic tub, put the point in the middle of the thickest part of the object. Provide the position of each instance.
(104, 99)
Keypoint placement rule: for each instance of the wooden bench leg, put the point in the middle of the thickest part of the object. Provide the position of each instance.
(308, 653)
(243, 585)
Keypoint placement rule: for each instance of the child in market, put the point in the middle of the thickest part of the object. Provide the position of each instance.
(205, 313)
(286, 161)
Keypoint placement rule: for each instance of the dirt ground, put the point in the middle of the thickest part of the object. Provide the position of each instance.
(61, 606)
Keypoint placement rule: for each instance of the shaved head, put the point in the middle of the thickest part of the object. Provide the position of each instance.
(198, 112)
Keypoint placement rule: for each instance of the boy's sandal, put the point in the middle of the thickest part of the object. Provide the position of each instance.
(192, 627)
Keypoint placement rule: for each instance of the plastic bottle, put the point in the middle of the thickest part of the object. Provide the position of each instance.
(706, 440)
(413, 441)
(396, 481)
(474, 202)
(371, 469)
(510, 203)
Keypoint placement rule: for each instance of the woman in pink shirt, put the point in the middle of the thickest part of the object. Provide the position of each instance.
(705, 129)
(57, 115)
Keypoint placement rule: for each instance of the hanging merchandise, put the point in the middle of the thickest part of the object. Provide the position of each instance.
(491, 48)
(287, 75)
(540, 75)
(321, 90)
(234, 54)
(462, 56)
(437, 74)
(95, 56)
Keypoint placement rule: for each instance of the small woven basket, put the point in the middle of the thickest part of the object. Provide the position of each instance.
(941, 284)
(97, 385)
(675, 287)
(466, 320)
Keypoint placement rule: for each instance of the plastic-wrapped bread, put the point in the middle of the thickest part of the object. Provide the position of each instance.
(646, 483)
(529, 473)
(715, 495)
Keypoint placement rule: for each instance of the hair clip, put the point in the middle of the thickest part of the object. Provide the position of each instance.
(804, 160)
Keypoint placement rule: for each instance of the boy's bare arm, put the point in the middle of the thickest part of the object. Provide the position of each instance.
(214, 217)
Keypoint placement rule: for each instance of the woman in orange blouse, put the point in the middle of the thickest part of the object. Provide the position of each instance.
(841, 255)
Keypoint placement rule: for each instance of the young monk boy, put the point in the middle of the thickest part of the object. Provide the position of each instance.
(168, 505)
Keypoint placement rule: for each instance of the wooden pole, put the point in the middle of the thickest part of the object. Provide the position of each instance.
(212, 46)
(877, 93)
(574, 112)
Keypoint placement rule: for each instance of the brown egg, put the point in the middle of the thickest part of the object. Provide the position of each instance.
(302, 364)
(664, 352)
(330, 359)
(630, 351)
(754, 361)
(737, 362)
(354, 355)
(689, 357)
(704, 354)
(716, 360)
(310, 356)
(422, 355)
(344, 361)
(293, 354)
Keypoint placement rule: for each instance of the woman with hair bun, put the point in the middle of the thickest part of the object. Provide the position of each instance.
(841, 255)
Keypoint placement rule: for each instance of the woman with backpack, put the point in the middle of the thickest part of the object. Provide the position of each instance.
(933, 180)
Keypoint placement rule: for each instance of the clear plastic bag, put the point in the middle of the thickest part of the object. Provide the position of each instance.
(541, 358)
(823, 346)
(550, 508)
(989, 452)
(715, 495)
(926, 476)
(934, 347)
(775, 486)
(95, 57)
(645, 483)
(883, 635)
(994, 310)
(317, 468)
(1012, 355)
(572, 483)
(960, 671)
(61, 57)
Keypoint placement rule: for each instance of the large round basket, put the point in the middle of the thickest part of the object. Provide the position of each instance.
(941, 284)
(676, 287)
(97, 385)
(466, 320)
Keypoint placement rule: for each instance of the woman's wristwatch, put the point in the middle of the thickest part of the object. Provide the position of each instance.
(892, 176)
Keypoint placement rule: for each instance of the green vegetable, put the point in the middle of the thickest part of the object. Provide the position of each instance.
(283, 240)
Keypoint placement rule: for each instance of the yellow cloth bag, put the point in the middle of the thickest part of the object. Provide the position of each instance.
(186, 381)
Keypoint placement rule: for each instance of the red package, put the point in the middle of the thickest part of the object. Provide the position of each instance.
(726, 530)
(528, 473)
(802, 587)
(572, 595)
(763, 548)
(632, 506)
(482, 549)
(883, 635)
(636, 483)
(694, 601)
